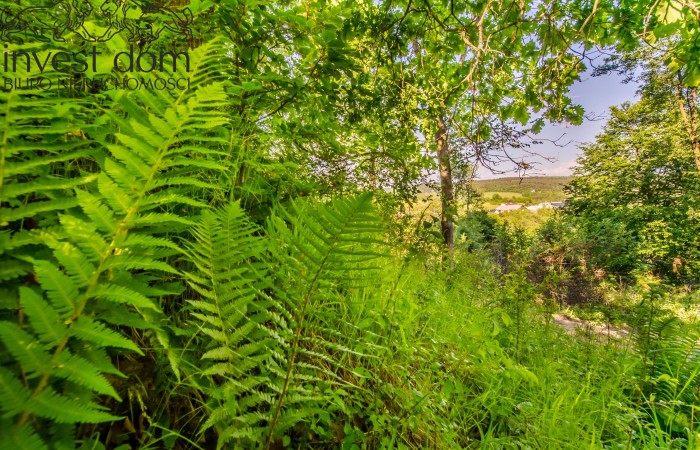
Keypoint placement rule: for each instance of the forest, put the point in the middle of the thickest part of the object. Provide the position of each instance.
(256, 224)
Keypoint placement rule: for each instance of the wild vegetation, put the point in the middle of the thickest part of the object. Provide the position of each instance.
(245, 264)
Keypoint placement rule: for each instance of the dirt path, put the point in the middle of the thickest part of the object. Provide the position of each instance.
(575, 326)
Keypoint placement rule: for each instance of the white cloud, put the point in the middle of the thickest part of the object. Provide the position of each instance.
(559, 170)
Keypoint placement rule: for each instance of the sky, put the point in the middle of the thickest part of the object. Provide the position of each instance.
(596, 95)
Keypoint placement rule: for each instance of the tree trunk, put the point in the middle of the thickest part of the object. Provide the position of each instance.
(446, 188)
(687, 102)
(693, 120)
(693, 128)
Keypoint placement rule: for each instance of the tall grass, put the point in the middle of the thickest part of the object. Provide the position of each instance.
(470, 361)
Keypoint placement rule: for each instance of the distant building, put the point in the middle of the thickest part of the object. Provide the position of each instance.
(506, 207)
(548, 205)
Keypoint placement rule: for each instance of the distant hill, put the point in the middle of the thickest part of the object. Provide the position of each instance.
(495, 192)
(527, 190)
(523, 185)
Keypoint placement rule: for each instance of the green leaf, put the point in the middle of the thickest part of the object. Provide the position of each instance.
(61, 409)
(82, 372)
(59, 288)
(25, 439)
(521, 114)
(14, 395)
(124, 295)
(93, 331)
(25, 349)
(44, 319)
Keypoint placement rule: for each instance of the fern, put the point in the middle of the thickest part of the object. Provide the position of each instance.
(271, 347)
(42, 150)
(670, 378)
(232, 313)
(325, 248)
(100, 246)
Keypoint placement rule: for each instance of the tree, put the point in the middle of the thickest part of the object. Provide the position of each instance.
(662, 34)
(354, 93)
(477, 72)
(640, 175)
(655, 66)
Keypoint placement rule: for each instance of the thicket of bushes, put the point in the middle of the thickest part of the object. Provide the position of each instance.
(192, 270)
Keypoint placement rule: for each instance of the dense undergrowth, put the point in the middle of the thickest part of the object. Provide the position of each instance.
(174, 276)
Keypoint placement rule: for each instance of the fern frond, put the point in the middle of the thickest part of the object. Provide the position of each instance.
(24, 439)
(25, 349)
(324, 247)
(14, 394)
(59, 288)
(44, 319)
(54, 406)
(40, 131)
(229, 282)
(92, 331)
(80, 371)
(94, 195)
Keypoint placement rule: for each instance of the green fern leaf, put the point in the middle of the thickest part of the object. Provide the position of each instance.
(325, 246)
(124, 295)
(25, 439)
(44, 319)
(100, 215)
(229, 284)
(25, 349)
(98, 357)
(54, 406)
(14, 395)
(80, 371)
(10, 270)
(105, 229)
(33, 209)
(93, 331)
(60, 289)
(77, 266)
